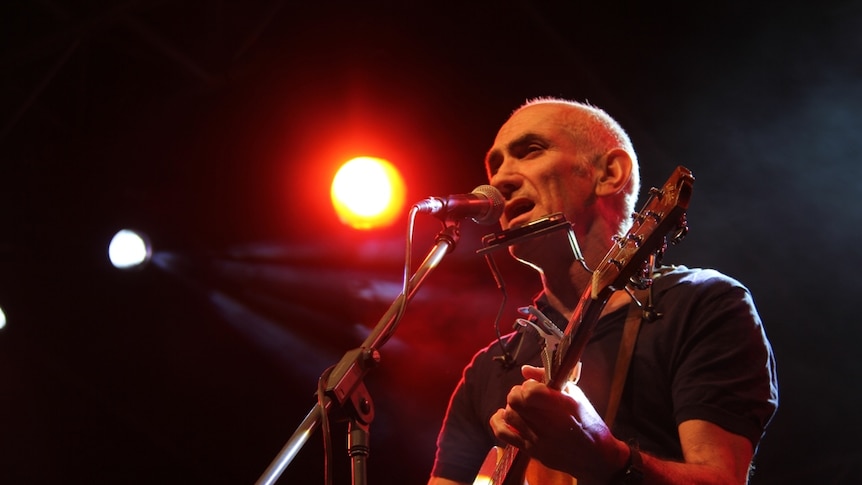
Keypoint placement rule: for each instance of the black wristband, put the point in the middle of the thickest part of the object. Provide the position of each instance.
(632, 473)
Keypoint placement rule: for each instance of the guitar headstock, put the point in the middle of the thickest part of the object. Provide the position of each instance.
(663, 212)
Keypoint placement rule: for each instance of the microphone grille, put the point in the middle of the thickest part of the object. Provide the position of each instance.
(497, 203)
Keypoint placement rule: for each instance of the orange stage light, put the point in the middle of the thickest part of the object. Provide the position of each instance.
(368, 193)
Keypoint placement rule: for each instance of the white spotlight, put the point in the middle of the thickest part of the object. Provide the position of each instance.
(2, 319)
(129, 249)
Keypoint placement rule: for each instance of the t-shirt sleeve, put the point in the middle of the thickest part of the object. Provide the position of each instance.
(725, 365)
(463, 441)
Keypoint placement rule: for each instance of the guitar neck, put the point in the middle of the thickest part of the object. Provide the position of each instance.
(577, 335)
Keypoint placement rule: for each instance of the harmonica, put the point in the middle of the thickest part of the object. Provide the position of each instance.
(539, 227)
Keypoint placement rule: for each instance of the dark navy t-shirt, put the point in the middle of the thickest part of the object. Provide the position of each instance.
(706, 358)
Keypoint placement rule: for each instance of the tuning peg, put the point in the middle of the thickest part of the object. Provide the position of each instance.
(681, 230)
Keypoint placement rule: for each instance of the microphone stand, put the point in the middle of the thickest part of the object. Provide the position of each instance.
(346, 392)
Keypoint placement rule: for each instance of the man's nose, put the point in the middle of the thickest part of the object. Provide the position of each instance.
(506, 180)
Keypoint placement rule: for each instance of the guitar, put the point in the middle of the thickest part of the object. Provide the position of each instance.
(663, 212)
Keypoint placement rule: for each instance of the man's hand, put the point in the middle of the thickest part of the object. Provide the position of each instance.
(562, 430)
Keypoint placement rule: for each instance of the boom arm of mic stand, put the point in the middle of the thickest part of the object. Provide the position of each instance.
(349, 371)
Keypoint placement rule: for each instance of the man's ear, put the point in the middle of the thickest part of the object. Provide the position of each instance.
(614, 170)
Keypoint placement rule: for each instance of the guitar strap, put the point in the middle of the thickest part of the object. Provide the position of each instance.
(624, 357)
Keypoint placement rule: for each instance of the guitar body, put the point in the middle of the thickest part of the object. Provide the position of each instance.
(486, 472)
(538, 474)
(534, 474)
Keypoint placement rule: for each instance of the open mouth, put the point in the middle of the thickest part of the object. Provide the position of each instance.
(517, 208)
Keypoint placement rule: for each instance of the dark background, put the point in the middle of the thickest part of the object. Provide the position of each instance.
(216, 126)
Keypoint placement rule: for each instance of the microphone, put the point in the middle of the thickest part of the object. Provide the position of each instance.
(484, 205)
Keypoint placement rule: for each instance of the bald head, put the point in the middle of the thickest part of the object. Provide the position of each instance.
(591, 126)
(592, 131)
